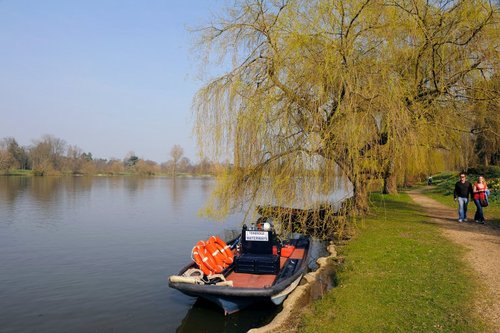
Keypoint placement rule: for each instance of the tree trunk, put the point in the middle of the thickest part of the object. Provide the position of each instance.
(406, 181)
(360, 194)
(390, 185)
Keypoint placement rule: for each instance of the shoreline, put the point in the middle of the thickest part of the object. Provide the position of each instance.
(316, 285)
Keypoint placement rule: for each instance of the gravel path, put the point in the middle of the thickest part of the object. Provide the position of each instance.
(483, 245)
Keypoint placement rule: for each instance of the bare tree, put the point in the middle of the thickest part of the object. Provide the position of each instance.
(17, 152)
(147, 168)
(47, 154)
(74, 159)
(184, 165)
(7, 161)
(176, 153)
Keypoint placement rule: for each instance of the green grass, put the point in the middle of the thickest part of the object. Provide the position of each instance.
(17, 172)
(400, 275)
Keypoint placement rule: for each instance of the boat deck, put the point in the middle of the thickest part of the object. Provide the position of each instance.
(248, 280)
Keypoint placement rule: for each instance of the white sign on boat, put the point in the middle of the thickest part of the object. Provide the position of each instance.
(259, 236)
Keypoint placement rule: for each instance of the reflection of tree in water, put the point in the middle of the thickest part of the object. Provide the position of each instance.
(178, 188)
(134, 184)
(44, 193)
(207, 185)
(46, 190)
(11, 188)
(74, 185)
(50, 189)
(114, 182)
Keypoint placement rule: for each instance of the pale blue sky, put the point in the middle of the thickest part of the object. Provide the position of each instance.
(110, 76)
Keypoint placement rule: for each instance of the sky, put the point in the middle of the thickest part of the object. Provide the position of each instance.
(109, 76)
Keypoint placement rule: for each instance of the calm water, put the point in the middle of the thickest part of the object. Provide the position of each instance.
(84, 254)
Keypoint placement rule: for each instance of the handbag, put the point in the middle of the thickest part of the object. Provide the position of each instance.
(483, 202)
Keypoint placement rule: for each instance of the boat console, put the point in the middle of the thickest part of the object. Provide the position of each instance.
(256, 250)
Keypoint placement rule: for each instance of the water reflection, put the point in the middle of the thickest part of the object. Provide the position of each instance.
(11, 188)
(113, 183)
(205, 317)
(178, 188)
(207, 185)
(46, 190)
(134, 185)
(80, 183)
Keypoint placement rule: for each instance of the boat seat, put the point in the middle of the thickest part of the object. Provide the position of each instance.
(257, 263)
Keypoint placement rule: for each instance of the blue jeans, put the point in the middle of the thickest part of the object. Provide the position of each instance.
(479, 211)
(462, 208)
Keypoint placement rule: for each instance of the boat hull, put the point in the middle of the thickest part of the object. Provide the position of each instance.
(232, 300)
(234, 304)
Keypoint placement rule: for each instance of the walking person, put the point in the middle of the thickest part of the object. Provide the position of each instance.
(479, 194)
(462, 193)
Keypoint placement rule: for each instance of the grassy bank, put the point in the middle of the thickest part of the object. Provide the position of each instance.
(16, 172)
(400, 275)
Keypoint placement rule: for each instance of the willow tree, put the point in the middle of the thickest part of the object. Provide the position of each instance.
(487, 121)
(447, 51)
(320, 89)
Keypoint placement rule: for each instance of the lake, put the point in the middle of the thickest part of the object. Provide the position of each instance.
(93, 254)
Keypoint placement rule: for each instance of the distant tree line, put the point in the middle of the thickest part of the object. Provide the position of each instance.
(50, 155)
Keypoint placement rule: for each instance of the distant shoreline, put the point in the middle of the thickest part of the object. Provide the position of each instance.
(31, 173)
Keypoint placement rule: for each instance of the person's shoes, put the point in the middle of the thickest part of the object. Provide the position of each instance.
(481, 222)
(460, 220)
(464, 220)
(477, 221)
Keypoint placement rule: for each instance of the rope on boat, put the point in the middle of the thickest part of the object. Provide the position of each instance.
(196, 276)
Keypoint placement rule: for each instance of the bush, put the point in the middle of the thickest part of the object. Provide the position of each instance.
(38, 172)
(494, 186)
(489, 172)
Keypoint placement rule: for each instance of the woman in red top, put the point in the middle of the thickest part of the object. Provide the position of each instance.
(479, 193)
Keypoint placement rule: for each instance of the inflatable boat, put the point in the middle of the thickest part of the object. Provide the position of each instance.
(256, 266)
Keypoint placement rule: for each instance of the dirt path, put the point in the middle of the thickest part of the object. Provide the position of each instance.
(483, 245)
